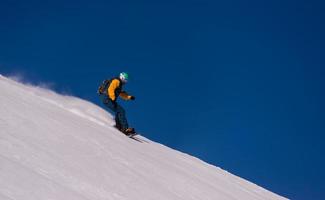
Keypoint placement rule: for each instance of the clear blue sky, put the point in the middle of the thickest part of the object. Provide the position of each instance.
(240, 84)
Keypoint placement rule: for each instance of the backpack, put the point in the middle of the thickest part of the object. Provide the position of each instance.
(102, 89)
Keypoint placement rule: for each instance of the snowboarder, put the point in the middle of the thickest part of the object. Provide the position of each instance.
(109, 91)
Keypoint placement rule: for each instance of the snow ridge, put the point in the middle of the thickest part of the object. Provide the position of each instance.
(59, 147)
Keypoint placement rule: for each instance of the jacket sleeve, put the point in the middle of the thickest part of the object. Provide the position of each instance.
(111, 89)
(125, 95)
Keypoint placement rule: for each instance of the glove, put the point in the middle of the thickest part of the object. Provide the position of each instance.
(132, 98)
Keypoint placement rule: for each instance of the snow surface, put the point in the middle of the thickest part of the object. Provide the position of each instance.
(55, 147)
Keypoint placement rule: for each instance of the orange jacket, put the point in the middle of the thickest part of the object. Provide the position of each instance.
(113, 87)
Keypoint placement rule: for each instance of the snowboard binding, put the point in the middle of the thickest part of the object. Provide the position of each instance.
(130, 132)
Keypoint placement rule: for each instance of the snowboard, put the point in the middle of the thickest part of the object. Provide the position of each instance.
(131, 135)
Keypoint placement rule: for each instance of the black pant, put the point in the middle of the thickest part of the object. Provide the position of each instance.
(118, 110)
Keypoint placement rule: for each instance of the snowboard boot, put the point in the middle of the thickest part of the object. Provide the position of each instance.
(129, 131)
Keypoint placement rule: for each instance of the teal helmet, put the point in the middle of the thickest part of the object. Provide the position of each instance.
(124, 77)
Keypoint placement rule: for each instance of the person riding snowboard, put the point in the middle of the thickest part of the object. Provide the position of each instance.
(109, 91)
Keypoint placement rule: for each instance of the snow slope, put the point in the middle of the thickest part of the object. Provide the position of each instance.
(55, 147)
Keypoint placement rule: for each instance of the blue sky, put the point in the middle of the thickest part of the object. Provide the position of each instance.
(240, 84)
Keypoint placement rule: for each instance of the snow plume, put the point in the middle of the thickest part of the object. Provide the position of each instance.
(22, 78)
(67, 102)
(62, 147)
